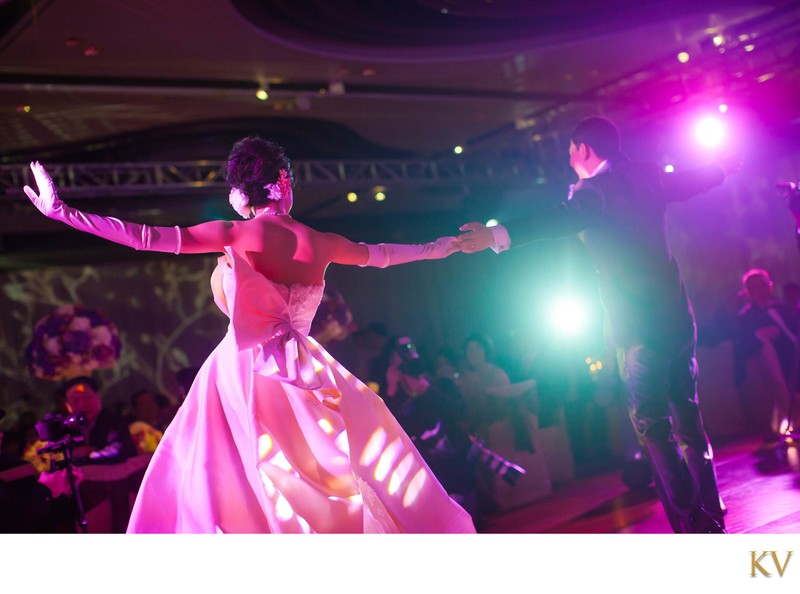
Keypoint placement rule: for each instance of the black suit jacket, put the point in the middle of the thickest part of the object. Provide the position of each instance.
(619, 214)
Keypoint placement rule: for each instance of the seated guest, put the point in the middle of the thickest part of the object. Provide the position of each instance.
(433, 413)
(108, 440)
(146, 421)
(766, 355)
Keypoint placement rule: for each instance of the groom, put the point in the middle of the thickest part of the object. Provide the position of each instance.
(618, 208)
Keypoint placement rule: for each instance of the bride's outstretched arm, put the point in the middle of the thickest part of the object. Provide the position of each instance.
(203, 238)
(381, 255)
(140, 237)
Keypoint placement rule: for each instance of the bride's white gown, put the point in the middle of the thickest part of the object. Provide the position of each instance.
(276, 436)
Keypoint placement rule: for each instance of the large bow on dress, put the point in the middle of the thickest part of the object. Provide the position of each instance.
(261, 318)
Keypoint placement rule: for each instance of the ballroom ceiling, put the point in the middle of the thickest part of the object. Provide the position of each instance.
(389, 87)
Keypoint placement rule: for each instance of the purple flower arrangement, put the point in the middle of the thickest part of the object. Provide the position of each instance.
(71, 341)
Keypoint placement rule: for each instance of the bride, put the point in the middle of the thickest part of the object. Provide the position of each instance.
(274, 434)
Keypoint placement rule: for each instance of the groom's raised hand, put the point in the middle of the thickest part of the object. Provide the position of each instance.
(477, 238)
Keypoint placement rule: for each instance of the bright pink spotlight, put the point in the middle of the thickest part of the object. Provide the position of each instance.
(709, 132)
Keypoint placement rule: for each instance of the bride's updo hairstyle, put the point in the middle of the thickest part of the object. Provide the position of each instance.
(254, 163)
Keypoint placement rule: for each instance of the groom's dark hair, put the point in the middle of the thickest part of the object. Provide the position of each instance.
(601, 134)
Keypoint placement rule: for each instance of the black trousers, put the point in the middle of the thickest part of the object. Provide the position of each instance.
(664, 410)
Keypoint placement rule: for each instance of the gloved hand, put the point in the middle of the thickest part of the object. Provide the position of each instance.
(139, 237)
(390, 254)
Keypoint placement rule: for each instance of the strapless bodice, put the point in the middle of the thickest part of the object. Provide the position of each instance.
(303, 301)
(272, 319)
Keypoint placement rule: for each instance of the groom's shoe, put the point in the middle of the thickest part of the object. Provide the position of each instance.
(701, 522)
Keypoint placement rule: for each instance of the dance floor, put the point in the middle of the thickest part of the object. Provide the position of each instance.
(759, 485)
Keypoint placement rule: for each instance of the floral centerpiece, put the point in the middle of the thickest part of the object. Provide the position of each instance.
(145, 436)
(41, 462)
(72, 341)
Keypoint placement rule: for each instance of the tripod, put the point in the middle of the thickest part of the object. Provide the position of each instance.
(65, 446)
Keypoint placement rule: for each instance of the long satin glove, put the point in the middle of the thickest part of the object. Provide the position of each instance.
(388, 254)
(139, 237)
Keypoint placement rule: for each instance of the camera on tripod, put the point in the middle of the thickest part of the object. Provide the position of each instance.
(62, 431)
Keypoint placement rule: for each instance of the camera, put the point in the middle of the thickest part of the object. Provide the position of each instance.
(55, 427)
(407, 351)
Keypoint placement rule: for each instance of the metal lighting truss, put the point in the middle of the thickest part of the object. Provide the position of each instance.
(88, 180)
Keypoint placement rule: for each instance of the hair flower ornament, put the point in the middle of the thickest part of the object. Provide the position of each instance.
(240, 203)
(72, 341)
(281, 188)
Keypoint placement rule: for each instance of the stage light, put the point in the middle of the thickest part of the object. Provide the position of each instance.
(380, 196)
(709, 132)
(492, 223)
(749, 47)
(669, 168)
(567, 316)
(718, 39)
(352, 196)
(723, 107)
(262, 94)
(458, 150)
(683, 57)
(336, 88)
(595, 366)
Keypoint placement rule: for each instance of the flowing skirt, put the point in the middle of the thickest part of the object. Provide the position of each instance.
(249, 453)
